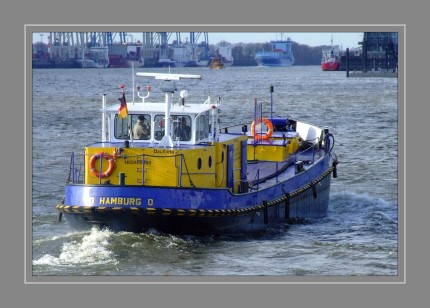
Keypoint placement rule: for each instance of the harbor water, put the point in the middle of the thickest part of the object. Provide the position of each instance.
(359, 236)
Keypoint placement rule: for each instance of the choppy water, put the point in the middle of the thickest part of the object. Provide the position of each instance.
(358, 237)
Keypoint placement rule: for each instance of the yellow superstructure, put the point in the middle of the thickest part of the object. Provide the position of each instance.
(199, 166)
(273, 150)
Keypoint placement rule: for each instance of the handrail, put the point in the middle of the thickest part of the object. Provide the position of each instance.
(75, 169)
(281, 166)
(72, 176)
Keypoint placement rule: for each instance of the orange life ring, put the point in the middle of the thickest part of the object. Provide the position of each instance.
(92, 165)
(265, 136)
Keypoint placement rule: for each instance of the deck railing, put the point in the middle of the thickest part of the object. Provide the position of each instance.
(77, 169)
(308, 155)
(270, 170)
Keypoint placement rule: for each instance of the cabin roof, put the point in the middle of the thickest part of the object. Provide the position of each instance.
(139, 107)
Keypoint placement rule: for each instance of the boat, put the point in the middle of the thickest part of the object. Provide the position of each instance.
(186, 55)
(166, 62)
(42, 63)
(180, 172)
(216, 63)
(125, 55)
(280, 55)
(225, 53)
(331, 58)
(97, 57)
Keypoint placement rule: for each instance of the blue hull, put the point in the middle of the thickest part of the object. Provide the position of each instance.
(274, 61)
(200, 211)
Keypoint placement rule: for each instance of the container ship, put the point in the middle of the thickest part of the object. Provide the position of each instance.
(280, 55)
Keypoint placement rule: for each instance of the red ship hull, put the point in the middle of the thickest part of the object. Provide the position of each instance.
(117, 61)
(330, 66)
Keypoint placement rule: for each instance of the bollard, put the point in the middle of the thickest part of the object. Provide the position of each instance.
(122, 178)
(347, 62)
(299, 166)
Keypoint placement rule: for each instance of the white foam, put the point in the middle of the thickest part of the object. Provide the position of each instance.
(91, 249)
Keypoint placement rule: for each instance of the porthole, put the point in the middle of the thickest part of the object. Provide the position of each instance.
(210, 161)
(199, 163)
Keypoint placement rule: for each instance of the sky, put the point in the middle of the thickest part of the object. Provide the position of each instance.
(347, 40)
(343, 39)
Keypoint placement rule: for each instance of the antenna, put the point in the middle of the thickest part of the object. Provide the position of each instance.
(132, 76)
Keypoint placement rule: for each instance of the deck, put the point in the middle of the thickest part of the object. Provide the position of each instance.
(265, 173)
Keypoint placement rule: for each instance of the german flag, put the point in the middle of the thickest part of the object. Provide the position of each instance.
(123, 111)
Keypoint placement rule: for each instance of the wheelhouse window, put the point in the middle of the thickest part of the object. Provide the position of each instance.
(181, 127)
(121, 128)
(202, 126)
(159, 127)
(140, 125)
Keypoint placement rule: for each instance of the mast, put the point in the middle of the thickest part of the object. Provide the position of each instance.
(168, 87)
(104, 118)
